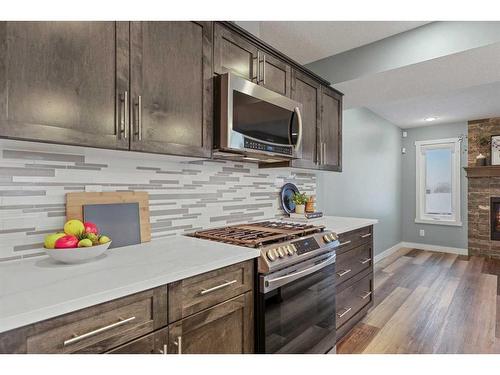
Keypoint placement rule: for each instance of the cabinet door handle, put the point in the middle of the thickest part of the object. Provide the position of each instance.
(345, 243)
(343, 272)
(257, 76)
(178, 343)
(340, 315)
(138, 131)
(366, 235)
(227, 283)
(97, 331)
(264, 69)
(123, 115)
(366, 295)
(165, 349)
(364, 261)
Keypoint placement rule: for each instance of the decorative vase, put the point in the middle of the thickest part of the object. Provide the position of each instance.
(480, 160)
(299, 208)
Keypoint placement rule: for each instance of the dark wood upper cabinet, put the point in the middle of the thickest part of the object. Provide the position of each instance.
(330, 130)
(233, 53)
(171, 87)
(307, 91)
(275, 74)
(64, 82)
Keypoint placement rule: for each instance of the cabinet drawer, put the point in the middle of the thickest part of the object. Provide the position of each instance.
(353, 299)
(192, 295)
(352, 239)
(350, 263)
(102, 327)
(154, 343)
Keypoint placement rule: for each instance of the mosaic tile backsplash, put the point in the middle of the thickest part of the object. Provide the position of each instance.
(185, 194)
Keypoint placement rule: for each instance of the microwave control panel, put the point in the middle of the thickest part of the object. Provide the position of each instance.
(262, 146)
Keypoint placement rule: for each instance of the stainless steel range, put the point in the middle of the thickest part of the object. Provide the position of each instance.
(296, 283)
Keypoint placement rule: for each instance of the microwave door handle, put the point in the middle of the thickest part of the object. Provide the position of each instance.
(299, 119)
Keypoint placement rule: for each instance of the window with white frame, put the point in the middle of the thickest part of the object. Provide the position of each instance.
(438, 181)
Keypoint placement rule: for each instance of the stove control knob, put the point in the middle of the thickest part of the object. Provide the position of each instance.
(281, 252)
(326, 238)
(271, 254)
(294, 249)
(289, 250)
(333, 236)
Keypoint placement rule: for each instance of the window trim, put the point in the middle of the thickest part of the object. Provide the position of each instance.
(420, 216)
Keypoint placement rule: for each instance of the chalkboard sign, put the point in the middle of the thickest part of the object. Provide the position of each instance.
(118, 221)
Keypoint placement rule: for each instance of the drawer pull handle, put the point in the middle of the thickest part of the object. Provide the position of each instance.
(366, 295)
(340, 315)
(364, 261)
(227, 283)
(178, 343)
(343, 273)
(97, 331)
(366, 235)
(345, 243)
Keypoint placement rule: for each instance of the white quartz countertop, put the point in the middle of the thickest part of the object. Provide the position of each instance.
(36, 289)
(340, 224)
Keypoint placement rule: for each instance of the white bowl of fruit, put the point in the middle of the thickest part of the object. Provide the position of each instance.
(78, 243)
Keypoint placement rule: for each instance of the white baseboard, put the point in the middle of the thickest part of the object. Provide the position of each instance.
(388, 252)
(421, 246)
(442, 249)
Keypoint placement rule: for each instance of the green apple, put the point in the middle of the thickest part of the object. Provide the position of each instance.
(92, 237)
(50, 240)
(74, 227)
(104, 239)
(85, 243)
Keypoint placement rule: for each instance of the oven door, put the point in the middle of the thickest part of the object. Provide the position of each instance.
(256, 120)
(297, 310)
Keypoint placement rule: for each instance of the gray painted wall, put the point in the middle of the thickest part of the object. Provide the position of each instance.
(440, 235)
(427, 42)
(370, 183)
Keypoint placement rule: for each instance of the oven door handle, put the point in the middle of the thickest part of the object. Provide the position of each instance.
(282, 280)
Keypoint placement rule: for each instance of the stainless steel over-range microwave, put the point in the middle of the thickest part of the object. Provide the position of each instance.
(255, 122)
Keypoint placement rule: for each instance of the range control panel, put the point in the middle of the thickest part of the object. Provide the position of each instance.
(262, 146)
(277, 256)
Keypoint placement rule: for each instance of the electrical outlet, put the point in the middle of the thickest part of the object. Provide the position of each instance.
(422, 233)
(405, 134)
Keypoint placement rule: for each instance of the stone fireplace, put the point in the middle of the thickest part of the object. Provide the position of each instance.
(483, 192)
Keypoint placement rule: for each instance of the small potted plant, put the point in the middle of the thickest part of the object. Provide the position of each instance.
(300, 200)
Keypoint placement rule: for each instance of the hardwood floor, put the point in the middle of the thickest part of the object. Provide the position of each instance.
(428, 302)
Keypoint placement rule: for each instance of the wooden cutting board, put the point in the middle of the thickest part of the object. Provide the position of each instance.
(75, 202)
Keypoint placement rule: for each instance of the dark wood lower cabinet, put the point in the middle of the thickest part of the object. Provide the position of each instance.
(221, 321)
(154, 343)
(354, 281)
(226, 328)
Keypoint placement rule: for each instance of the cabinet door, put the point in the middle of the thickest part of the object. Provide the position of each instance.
(275, 74)
(307, 91)
(232, 53)
(154, 343)
(65, 82)
(171, 74)
(330, 132)
(226, 328)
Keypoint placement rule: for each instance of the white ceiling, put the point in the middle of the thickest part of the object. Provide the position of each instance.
(451, 107)
(457, 87)
(307, 41)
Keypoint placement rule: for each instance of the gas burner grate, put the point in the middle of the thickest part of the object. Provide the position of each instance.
(258, 234)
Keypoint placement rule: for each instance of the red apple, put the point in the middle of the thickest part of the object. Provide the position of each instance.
(90, 227)
(66, 242)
